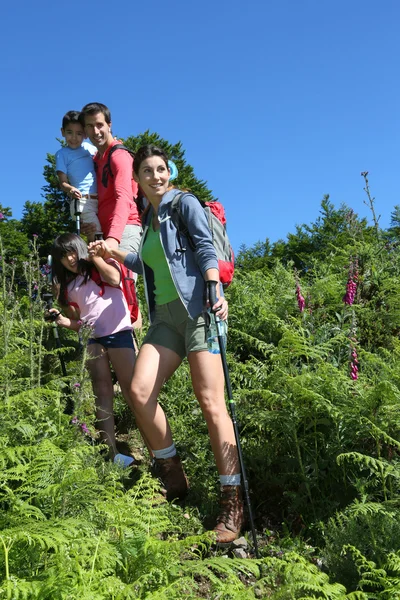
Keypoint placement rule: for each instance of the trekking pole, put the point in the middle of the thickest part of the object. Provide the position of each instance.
(48, 298)
(212, 292)
(77, 216)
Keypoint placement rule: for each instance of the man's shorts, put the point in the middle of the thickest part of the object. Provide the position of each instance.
(130, 240)
(121, 339)
(173, 328)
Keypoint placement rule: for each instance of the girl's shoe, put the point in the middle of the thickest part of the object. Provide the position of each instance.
(172, 476)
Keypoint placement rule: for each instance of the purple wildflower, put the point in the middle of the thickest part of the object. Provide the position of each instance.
(354, 364)
(85, 428)
(300, 299)
(35, 235)
(74, 420)
(351, 286)
(77, 385)
(1, 216)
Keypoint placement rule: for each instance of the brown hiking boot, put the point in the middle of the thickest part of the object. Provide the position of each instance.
(172, 476)
(230, 519)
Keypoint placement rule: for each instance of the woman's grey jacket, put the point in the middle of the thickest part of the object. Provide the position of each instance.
(187, 267)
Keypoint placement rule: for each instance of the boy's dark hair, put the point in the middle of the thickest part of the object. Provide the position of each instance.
(147, 152)
(61, 277)
(72, 116)
(92, 108)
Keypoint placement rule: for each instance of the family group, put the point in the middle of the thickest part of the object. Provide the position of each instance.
(104, 183)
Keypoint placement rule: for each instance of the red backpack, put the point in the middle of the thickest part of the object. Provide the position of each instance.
(127, 286)
(215, 214)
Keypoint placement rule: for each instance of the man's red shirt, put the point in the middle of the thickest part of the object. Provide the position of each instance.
(116, 205)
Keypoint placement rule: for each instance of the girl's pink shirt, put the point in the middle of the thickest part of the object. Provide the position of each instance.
(108, 313)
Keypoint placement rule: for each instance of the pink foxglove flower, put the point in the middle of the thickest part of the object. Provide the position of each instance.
(354, 364)
(301, 303)
(351, 287)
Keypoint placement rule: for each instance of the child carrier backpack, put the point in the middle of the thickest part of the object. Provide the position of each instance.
(215, 214)
(127, 286)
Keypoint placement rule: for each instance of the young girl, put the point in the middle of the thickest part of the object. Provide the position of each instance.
(175, 285)
(103, 306)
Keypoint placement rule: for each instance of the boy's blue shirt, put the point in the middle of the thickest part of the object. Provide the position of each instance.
(77, 164)
(187, 268)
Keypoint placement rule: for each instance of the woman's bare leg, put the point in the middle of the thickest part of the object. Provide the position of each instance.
(154, 365)
(208, 385)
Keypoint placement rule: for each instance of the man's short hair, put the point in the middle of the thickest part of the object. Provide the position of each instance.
(93, 108)
(72, 116)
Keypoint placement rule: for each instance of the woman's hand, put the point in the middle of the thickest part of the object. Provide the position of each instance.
(218, 304)
(99, 249)
(220, 308)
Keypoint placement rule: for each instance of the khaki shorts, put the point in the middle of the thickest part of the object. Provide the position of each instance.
(173, 328)
(130, 240)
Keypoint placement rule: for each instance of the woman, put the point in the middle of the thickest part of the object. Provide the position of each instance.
(175, 283)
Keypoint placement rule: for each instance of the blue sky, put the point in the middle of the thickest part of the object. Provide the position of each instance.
(276, 103)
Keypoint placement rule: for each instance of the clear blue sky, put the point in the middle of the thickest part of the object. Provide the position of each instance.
(276, 103)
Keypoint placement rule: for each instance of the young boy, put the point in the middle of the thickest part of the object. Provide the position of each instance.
(75, 171)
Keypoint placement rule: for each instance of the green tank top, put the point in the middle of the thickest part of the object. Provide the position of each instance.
(154, 257)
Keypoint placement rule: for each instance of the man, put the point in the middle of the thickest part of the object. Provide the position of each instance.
(118, 213)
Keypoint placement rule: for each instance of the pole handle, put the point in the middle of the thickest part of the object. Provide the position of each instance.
(212, 293)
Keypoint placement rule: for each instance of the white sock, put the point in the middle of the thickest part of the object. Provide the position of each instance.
(123, 461)
(230, 479)
(165, 452)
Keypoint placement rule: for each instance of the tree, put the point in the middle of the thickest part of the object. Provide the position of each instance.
(333, 230)
(186, 178)
(15, 242)
(49, 218)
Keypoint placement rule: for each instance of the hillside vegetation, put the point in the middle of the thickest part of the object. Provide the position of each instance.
(314, 359)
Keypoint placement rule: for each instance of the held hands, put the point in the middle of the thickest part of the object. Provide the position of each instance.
(219, 306)
(99, 249)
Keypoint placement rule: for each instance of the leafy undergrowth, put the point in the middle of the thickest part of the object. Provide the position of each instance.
(314, 360)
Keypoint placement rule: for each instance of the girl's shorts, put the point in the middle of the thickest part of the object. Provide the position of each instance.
(121, 339)
(173, 328)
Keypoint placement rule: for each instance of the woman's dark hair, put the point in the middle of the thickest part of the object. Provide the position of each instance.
(61, 277)
(144, 152)
(72, 116)
(147, 152)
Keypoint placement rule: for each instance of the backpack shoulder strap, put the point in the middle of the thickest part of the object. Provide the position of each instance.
(107, 171)
(95, 276)
(179, 222)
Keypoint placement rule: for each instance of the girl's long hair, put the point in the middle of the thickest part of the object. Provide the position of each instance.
(61, 277)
